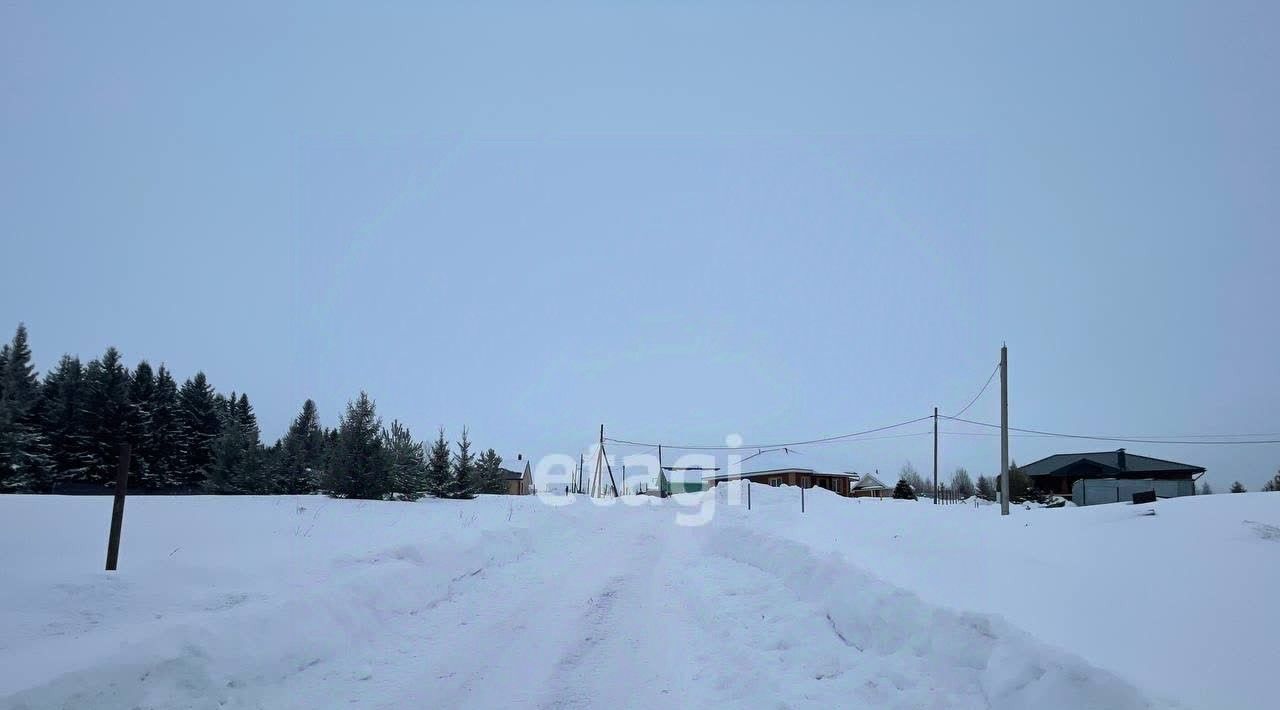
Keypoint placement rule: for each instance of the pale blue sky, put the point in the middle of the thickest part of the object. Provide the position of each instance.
(681, 221)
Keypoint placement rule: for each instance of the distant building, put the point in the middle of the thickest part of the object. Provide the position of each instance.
(519, 479)
(1111, 476)
(679, 485)
(845, 483)
(868, 486)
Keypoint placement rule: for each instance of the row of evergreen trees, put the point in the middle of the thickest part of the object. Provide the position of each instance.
(64, 433)
(1021, 487)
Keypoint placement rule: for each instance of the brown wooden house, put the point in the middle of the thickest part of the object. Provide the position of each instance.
(519, 479)
(843, 483)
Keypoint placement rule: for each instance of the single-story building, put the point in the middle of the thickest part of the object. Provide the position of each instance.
(844, 483)
(1110, 476)
(519, 479)
(868, 486)
(682, 485)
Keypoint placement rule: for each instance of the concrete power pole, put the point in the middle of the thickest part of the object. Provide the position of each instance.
(1004, 430)
(935, 455)
(662, 477)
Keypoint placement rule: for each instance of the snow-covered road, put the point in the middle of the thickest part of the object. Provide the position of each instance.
(310, 602)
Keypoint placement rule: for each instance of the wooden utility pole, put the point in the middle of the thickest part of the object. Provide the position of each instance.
(601, 457)
(935, 455)
(609, 467)
(595, 472)
(117, 509)
(1004, 430)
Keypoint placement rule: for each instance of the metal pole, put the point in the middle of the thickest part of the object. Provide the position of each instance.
(117, 509)
(1004, 430)
(935, 455)
(748, 484)
(801, 495)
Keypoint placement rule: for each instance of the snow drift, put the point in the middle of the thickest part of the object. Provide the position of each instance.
(309, 602)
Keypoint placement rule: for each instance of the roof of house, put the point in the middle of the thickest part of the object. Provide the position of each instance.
(869, 482)
(514, 474)
(1111, 462)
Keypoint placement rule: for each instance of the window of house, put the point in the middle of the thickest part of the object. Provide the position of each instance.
(775, 482)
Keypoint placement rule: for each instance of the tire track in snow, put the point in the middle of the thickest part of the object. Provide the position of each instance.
(845, 634)
(234, 655)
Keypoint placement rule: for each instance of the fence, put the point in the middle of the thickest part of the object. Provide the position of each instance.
(1097, 491)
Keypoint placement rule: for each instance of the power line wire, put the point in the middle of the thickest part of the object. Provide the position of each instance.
(979, 394)
(1162, 437)
(1124, 439)
(823, 440)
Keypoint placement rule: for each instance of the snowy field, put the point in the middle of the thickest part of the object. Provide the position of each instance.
(283, 602)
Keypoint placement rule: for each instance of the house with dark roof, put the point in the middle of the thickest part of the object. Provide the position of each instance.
(519, 479)
(1111, 476)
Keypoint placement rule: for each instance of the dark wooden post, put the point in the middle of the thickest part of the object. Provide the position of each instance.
(801, 494)
(117, 510)
(748, 483)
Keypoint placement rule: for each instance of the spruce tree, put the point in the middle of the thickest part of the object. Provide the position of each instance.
(226, 408)
(1021, 487)
(229, 472)
(252, 478)
(985, 488)
(438, 467)
(201, 421)
(142, 388)
(24, 461)
(301, 453)
(462, 483)
(246, 419)
(1238, 487)
(914, 479)
(270, 461)
(237, 451)
(903, 490)
(65, 394)
(168, 435)
(358, 466)
(489, 467)
(407, 461)
(108, 414)
(21, 383)
(1205, 489)
(1272, 485)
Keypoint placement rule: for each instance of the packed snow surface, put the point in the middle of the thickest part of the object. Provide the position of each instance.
(308, 602)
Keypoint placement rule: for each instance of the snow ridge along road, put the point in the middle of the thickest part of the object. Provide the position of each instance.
(491, 603)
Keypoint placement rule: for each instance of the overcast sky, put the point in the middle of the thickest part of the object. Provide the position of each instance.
(680, 221)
